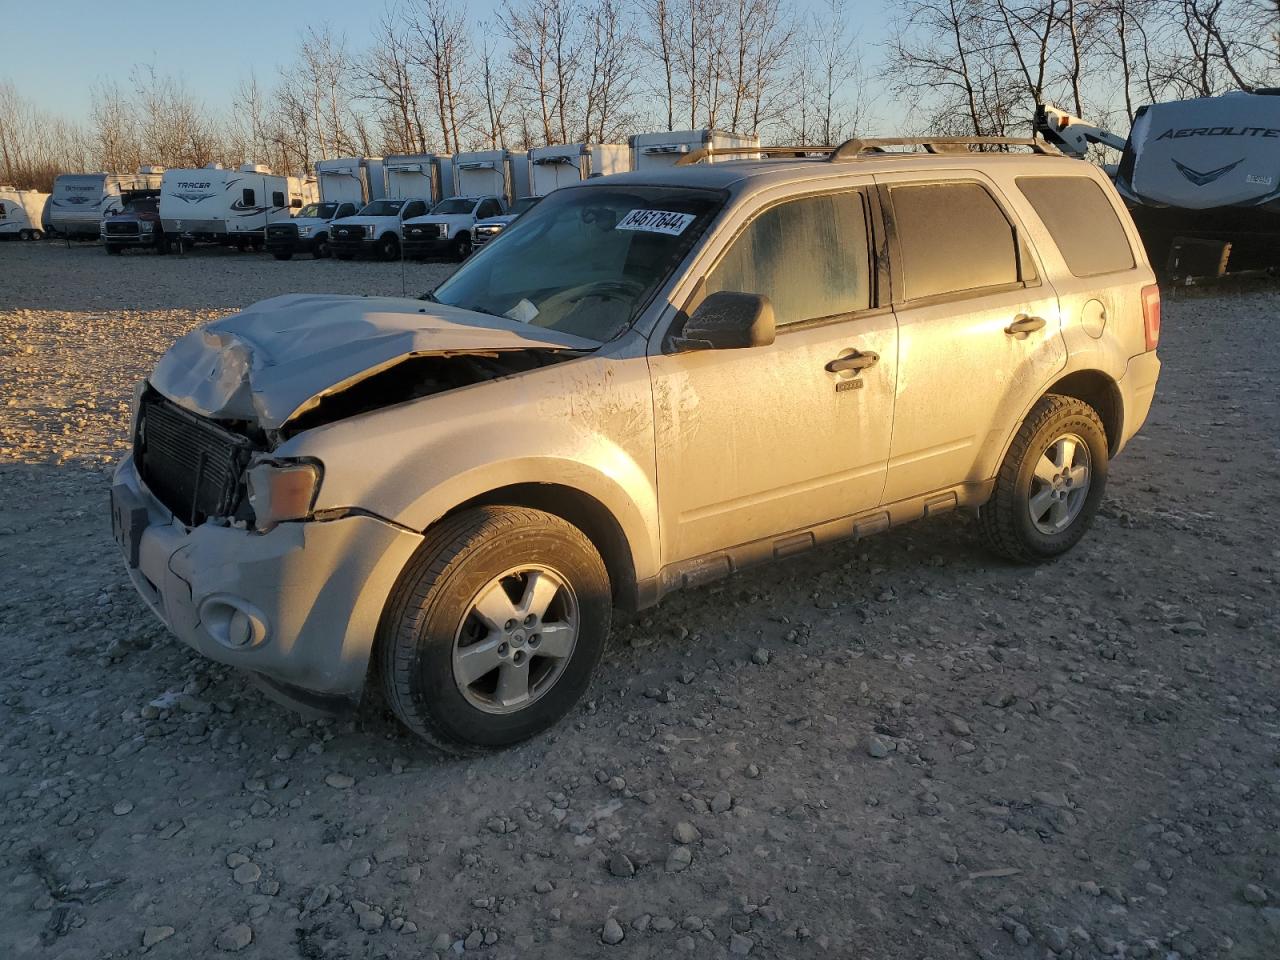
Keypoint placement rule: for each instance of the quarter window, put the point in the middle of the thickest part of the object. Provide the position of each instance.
(1082, 222)
(954, 238)
(808, 256)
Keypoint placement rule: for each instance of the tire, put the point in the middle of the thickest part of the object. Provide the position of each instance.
(37, 234)
(282, 255)
(112, 248)
(389, 248)
(161, 246)
(321, 248)
(1037, 510)
(24, 235)
(462, 246)
(431, 620)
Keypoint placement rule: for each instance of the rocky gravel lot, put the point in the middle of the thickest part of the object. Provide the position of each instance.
(898, 748)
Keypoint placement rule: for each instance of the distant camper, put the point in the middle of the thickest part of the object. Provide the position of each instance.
(558, 166)
(650, 150)
(215, 205)
(81, 200)
(21, 213)
(355, 180)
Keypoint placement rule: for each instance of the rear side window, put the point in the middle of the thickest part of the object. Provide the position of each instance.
(247, 197)
(808, 256)
(1082, 222)
(277, 199)
(954, 238)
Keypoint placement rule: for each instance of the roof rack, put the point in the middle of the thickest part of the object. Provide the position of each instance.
(852, 149)
(800, 152)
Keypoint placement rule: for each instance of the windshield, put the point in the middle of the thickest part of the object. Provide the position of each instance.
(322, 210)
(454, 205)
(142, 205)
(521, 205)
(585, 260)
(382, 208)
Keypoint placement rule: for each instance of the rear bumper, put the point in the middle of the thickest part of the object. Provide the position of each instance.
(1137, 391)
(312, 591)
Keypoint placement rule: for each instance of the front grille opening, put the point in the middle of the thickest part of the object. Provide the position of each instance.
(194, 466)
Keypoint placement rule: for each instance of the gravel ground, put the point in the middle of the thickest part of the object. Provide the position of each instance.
(891, 749)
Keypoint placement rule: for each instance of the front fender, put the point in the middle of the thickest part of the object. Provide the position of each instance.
(586, 424)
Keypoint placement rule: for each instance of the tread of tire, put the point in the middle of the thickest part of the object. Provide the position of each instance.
(439, 549)
(996, 520)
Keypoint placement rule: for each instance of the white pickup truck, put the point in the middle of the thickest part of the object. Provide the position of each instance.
(450, 226)
(375, 230)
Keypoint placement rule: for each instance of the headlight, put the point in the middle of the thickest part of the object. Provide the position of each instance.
(442, 230)
(304, 231)
(282, 490)
(368, 229)
(146, 226)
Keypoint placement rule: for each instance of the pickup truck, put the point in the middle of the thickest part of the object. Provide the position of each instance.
(486, 230)
(374, 230)
(449, 229)
(136, 225)
(308, 232)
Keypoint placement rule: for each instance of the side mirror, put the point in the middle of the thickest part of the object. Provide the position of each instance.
(728, 320)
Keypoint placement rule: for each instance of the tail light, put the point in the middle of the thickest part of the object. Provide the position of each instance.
(1151, 315)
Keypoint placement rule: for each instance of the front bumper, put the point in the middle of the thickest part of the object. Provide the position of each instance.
(363, 246)
(130, 239)
(312, 591)
(427, 246)
(290, 244)
(1137, 391)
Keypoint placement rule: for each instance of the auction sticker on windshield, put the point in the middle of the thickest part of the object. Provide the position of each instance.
(656, 221)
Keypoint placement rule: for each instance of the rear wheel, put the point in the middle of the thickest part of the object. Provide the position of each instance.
(1050, 484)
(37, 234)
(495, 629)
(24, 234)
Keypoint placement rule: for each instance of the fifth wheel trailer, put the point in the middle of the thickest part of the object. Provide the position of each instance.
(1201, 178)
(213, 204)
(663, 149)
(22, 213)
(80, 200)
(558, 166)
(351, 180)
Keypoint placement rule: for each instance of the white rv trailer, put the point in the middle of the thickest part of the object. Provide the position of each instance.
(559, 166)
(21, 213)
(81, 200)
(213, 204)
(355, 180)
(413, 175)
(485, 173)
(649, 150)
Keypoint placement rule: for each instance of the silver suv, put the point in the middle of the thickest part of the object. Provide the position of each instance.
(647, 382)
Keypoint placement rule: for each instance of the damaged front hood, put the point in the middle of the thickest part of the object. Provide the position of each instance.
(280, 357)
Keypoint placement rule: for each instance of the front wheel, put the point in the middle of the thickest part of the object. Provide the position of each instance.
(495, 628)
(321, 249)
(462, 246)
(1050, 484)
(389, 247)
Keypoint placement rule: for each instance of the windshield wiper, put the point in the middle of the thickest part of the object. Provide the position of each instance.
(429, 296)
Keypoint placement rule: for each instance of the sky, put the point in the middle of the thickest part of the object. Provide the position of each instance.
(209, 45)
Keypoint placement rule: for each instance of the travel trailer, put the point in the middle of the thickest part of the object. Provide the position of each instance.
(215, 205)
(650, 150)
(80, 200)
(413, 175)
(1200, 177)
(483, 173)
(559, 166)
(22, 213)
(351, 180)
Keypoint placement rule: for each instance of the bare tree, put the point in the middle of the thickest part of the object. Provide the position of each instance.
(611, 68)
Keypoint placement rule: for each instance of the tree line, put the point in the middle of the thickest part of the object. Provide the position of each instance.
(433, 78)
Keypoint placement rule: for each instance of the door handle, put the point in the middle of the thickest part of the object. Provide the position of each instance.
(854, 362)
(1024, 324)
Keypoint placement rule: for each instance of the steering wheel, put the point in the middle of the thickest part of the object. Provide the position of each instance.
(559, 304)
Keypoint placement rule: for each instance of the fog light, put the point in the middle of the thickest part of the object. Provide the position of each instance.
(232, 622)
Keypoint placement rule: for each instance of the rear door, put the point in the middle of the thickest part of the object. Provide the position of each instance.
(979, 329)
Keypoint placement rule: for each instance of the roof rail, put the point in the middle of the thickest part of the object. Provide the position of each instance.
(851, 149)
(695, 156)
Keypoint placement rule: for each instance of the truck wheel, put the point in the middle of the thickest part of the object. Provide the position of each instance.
(462, 246)
(282, 255)
(24, 235)
(37, 234)
(321, 249)
(1050, 484)
(112, 248)
(161, 245)
(495, 628)
(389, 247)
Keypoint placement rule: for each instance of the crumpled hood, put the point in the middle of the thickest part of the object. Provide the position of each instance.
(279, 357)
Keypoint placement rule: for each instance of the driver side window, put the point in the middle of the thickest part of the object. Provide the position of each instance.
(809, 256)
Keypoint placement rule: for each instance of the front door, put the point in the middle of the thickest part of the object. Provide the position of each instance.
(757, 442)
(980, 332)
